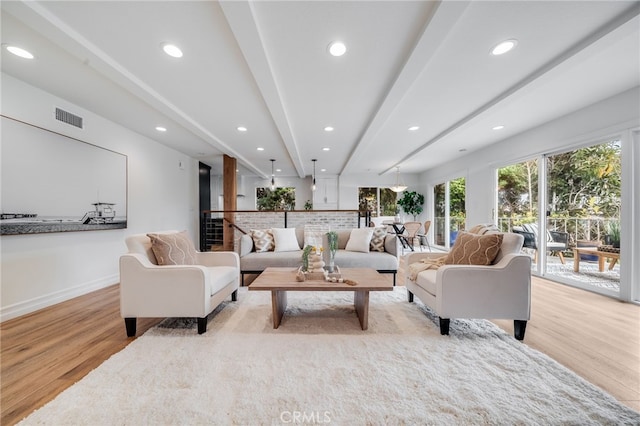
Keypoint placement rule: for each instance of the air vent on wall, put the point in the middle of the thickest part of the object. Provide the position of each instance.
(67, 117)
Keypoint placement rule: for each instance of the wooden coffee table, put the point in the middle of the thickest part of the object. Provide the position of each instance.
(281, 280)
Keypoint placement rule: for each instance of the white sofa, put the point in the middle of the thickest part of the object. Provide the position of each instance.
(252, 262)
(498, 291)
(148, 290)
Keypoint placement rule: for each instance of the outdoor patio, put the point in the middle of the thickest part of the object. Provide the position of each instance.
(589, 274)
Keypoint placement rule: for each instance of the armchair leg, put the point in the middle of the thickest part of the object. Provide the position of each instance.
(130, 325)
(234, 296)
(409, 296)
(519, 327)
(444, 326)
(202, 325)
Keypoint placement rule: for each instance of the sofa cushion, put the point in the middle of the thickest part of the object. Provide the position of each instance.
(261, 261)
(377, 239)
(374, 259)
(359, 240)
(173, 248)
(285, 239)
(262, 240)
(220, 276)
(427, 280)
(471, 249)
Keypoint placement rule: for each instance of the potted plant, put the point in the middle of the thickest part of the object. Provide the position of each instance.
(613, 232)
(411, 202)
(332, 243)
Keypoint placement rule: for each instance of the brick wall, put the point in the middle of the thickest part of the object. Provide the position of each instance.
(334, 219)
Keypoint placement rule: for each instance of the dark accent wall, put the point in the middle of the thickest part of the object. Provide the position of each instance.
(205, 200)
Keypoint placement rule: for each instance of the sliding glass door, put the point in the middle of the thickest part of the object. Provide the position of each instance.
(578, 240)
(583, 192)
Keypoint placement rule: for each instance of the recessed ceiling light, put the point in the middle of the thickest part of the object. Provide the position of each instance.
(161, 129)
(323, 170)
(172, 50)
(326, 149)
(278, 170)
(414, 128)
(328, 129)
(241, 129)
(260, 148)
(337, 48)
(18, 51)
(500, 127)
(504, 47)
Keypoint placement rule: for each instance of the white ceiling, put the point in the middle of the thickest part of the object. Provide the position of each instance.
(264, 65)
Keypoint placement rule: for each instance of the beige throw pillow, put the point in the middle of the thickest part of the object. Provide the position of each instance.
(285, 239)
(359, 240)
(262, 240)
(173, 249)
(471, 249)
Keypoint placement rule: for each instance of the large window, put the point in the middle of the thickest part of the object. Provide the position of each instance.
(276, 199)
(449, 211)
(378, 201)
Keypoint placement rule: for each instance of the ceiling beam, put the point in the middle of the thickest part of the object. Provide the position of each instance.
(441, 22)
(241, 18)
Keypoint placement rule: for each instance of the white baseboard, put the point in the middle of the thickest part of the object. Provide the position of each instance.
(28, 306)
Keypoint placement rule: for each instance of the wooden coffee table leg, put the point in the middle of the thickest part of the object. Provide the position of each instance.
(278, 305)
(361, 302)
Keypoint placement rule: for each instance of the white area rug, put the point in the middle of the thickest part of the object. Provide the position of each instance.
(320, 367)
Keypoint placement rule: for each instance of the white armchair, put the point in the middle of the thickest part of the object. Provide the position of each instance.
(150, 290)
(498, 291)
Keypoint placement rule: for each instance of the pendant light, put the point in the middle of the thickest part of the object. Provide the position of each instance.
(313, 185)
(273, 178)
(398, 187)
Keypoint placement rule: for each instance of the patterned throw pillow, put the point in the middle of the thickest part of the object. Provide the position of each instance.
(377, 240)
(471, 249)
(173, 249)
(483, 229)
(263, 240)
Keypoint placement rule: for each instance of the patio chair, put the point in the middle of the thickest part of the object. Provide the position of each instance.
(411, 232)
(557, 241)
(423, 236)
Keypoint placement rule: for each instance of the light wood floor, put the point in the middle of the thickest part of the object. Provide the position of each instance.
(45, 352)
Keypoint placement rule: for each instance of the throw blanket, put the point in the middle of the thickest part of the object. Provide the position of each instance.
(423, 265)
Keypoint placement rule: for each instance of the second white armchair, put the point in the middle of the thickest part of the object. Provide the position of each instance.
(501, 290)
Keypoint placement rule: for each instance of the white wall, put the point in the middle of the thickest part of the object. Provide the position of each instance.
(42, 269)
